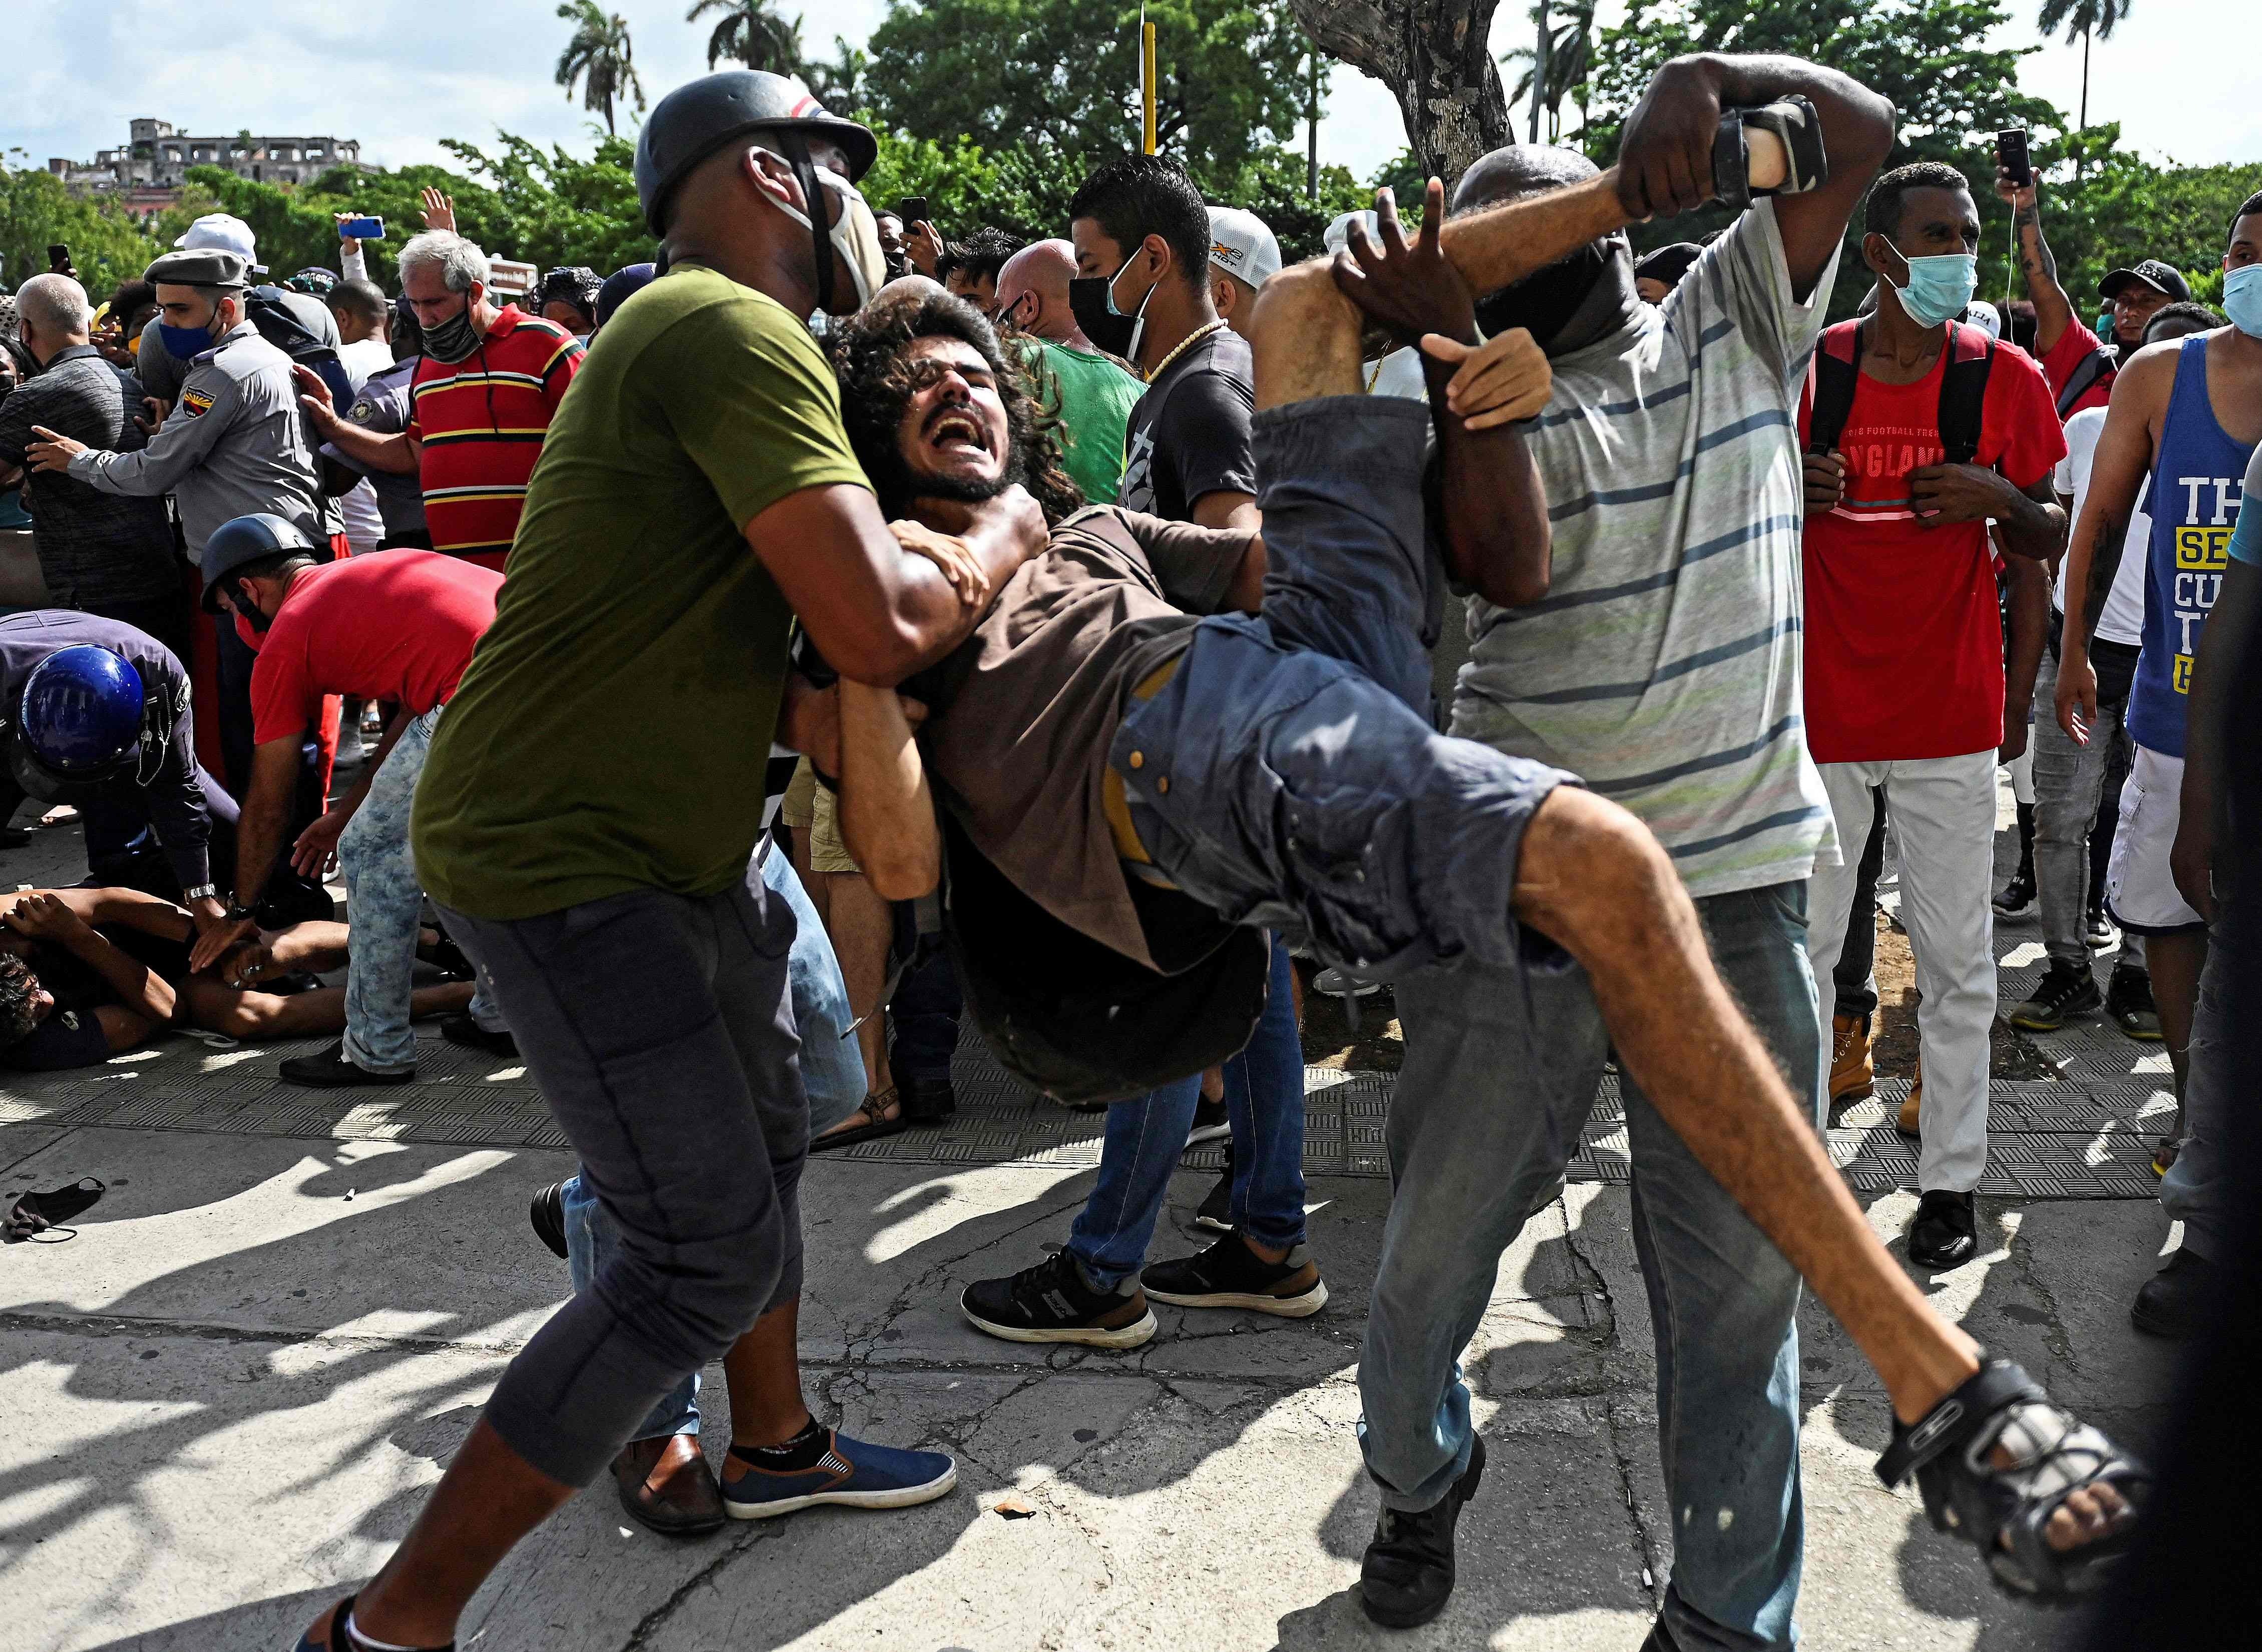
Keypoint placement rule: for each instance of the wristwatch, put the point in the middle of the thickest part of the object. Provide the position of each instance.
(202, 892)
(238, 915)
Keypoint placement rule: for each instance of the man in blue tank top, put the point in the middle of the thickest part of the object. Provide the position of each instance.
(2185, 419)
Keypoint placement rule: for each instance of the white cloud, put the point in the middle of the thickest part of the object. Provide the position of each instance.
(401, 75)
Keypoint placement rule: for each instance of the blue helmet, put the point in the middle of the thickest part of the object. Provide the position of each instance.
(80, 722)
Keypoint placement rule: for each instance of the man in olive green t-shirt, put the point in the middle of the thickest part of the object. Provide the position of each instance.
(588, 808)
(1089, 392)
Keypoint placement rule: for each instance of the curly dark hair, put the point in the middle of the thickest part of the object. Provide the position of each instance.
(18, 986)
(877, 384)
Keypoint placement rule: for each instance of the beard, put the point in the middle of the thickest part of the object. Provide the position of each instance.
(899, 483)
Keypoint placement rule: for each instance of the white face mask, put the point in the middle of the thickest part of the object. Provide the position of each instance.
(855, 235)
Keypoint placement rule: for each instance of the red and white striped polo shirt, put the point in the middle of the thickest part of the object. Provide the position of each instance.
(480, 424)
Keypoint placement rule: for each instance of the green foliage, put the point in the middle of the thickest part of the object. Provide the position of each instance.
(599, 56)
(2124, 209)
(1059, 79)
(1928, 58)
(1570, 62)
(545, 208)
(750, 34)
(106, 246)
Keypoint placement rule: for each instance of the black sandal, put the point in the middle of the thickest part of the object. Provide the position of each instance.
(2003, 1510)
(873, 1110)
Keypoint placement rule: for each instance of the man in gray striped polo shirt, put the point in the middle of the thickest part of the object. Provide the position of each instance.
(1662, 665)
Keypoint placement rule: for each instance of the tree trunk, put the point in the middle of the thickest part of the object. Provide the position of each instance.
(2084, 80)
(1539, 67)
(1435, 57)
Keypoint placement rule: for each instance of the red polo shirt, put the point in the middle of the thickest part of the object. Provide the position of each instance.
(479, 423)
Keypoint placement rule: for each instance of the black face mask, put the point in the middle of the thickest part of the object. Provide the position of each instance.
(1571, 302)
(454, 339)
(1091, 300)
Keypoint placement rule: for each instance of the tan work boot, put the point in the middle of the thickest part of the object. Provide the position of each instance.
(1852, 1076)
(1907, 1123)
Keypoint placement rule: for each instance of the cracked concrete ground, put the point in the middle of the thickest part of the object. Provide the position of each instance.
(223, 1402)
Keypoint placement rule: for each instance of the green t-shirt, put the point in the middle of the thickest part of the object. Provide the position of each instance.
(1094, 397)
(614, 726)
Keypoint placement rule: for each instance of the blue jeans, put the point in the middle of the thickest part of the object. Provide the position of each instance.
(1111, 1235)
(832, 1072)
(385, 902)
(1500, 1075)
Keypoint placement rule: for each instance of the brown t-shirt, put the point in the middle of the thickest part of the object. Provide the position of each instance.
(1027, 707)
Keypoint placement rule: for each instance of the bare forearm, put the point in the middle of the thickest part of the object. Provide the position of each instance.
(2053, 309)
(2033, 529)
(1497, 539)
(887, 815)
(258, 840)
(138, 987)
(2092, 566)
(395, 454)
(2029, 620)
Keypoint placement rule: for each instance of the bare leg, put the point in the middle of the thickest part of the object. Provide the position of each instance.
(763, 1373)
(1591, 876)
(862, 927)
(2175, 961)
(1305, 334)
(489, 1498)
(259, 1016)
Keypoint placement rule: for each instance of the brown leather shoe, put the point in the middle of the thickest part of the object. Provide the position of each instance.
(1911, 1121)
(666, 1485)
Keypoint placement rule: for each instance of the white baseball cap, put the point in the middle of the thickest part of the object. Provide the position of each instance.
(222, 231)
(1986, 317)
(1240, 244)
(1337, 236)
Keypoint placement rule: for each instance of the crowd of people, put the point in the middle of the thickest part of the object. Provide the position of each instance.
(771, 655)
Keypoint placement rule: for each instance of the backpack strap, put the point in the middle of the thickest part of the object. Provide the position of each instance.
(1964, 391)
(2087, 373)
(1837, 370)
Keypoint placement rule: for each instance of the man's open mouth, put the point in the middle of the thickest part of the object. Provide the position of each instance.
(954, 429)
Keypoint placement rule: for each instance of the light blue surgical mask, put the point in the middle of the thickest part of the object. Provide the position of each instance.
(2241, 298)
(1939, 288)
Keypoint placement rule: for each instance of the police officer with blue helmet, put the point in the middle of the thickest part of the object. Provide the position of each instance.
(97, 714)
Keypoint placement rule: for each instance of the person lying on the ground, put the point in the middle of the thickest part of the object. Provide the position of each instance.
(86, 973)
(1279, 769)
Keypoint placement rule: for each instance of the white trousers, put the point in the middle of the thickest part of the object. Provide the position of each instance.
(1943, 816)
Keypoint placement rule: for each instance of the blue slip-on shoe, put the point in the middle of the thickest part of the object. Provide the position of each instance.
(852, 1473)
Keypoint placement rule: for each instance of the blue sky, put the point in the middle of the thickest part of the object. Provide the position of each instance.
(400, 74)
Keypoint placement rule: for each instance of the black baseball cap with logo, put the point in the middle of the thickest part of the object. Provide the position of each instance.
(2160, 277)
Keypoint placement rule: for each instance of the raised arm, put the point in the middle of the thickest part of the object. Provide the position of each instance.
(1665, 164)
(2053, 308)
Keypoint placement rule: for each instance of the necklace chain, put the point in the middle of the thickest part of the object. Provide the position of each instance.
(1183, 345)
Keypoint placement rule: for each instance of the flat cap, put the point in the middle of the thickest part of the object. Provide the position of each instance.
(205, 267)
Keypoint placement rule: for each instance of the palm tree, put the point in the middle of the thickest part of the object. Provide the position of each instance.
(598, 56)
(1561, 63)
(838, 84)
(751, 33)
(2084, 17)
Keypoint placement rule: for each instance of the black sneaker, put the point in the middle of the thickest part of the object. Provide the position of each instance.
(1216, 1213)
(1229, 1275)
(2128, 1001)
(330, 1070)
(2062, 992)
(2018, 897)
(461, 1029)
(2175, 1301)
(1406, 1575)
(2097, 932)
(927, 1098)
(1946, 1231)
(1051, 1302)
(1210, 1122)
(546, 1214)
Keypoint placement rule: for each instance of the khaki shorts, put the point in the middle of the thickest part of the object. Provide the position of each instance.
(811, 808)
